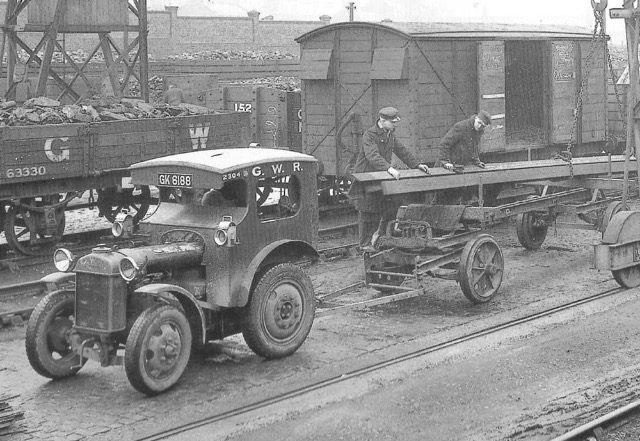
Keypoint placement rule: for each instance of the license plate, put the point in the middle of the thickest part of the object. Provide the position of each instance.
(175, 180)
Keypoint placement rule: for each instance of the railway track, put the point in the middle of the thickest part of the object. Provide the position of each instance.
(344, 379)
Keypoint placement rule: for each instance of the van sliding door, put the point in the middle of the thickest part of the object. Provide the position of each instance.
(564, 87)
(491, 93)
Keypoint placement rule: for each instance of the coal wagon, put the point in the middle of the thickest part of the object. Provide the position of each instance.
(44, 167)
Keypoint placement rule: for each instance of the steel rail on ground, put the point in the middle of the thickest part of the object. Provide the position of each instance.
(372, 368)
(605, 421)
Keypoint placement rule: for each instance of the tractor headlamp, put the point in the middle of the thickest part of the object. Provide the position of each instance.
(225, 235)
(123, 225)
(129, 269)
(64, 260)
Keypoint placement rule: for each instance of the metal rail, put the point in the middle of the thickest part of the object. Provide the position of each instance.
(371, 368)
(599, 424)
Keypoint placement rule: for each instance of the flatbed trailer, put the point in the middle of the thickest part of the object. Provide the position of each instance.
(44, 167)
(451, 241)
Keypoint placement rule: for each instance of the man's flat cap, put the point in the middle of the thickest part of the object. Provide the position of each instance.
(390, 113)
(485, 117)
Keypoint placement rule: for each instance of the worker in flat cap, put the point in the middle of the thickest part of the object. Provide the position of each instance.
(459, 147)
(379, 143)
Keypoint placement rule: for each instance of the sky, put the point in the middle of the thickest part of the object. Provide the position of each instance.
(568, 12)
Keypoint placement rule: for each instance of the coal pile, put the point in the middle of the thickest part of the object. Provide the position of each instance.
(290, 84)
(234, 55)
(9, 417)
(78, 56)
(42, 110)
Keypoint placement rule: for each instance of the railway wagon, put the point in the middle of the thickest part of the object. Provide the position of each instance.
(275, 114)
(44, 167)
(528, 78)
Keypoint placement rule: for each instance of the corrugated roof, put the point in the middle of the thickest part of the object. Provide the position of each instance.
(483, 31)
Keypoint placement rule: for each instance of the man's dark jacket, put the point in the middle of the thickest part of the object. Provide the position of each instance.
(377, 148)
(460, 144)
(378, 145)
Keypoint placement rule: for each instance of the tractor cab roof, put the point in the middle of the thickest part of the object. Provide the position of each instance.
(208, 168)
(223, 161)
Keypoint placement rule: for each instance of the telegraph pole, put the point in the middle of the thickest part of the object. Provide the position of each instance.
(351, 8)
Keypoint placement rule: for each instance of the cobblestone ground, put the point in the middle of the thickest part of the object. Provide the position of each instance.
(99, 403)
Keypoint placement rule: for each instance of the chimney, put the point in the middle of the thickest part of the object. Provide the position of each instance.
(173, 18)
(325, 19)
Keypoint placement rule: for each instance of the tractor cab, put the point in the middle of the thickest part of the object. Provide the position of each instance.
(244, 203)
(218, 257)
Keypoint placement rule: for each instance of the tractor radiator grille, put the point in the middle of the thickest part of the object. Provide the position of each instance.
(100, 302)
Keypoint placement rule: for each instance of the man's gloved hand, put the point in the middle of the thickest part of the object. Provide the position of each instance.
(447, 166)
(424, 168)
(393, 172)
(478, 163)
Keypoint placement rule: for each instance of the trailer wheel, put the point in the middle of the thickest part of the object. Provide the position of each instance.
(531, 230)
(48, 348)
(481, 268)
(22, 239)
(627, 277)
(612, 209)
(136, 200)
(280, 312)
(158, 349)
(623, 228)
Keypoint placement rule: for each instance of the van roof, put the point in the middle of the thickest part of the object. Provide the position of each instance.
(476, 31)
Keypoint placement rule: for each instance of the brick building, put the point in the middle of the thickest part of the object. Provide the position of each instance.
(172, 34)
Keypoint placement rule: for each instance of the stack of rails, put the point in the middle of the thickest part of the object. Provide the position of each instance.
(9, 417)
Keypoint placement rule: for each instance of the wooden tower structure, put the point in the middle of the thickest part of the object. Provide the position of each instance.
(54, 20)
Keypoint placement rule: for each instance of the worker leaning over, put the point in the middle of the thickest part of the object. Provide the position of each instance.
(379, 143)
(460, 147)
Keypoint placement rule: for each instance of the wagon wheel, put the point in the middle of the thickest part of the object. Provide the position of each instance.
(136, 200)
(23, 240)
(481, 268)
(531, 229)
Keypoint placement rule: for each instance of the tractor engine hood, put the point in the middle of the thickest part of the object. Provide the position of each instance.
(142, 260)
